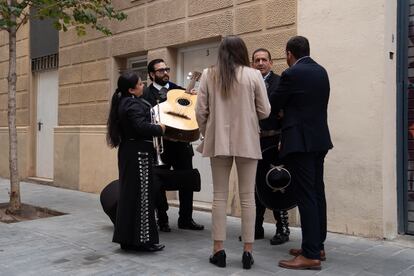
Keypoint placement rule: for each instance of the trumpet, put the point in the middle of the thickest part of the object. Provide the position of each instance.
(158, 142)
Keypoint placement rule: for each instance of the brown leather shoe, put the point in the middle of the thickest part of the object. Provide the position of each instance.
(301, 262)
(297, 251)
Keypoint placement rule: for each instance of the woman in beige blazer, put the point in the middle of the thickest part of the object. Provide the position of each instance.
(231, 100)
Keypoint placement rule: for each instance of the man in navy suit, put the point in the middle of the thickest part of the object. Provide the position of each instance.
(303, 94)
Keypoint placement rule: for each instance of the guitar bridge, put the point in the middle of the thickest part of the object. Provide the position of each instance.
(180, 115)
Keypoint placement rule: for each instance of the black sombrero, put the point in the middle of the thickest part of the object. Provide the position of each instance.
(274, 187)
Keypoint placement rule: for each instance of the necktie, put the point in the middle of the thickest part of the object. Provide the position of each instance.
(266, 83)
(163, 94)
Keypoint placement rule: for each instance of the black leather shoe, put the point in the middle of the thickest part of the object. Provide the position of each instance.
(127, 247)
(164, 227)
(142, 248)
(219, 258)
(190, 225)
(151, 247)
(279, 239)
(247, 260)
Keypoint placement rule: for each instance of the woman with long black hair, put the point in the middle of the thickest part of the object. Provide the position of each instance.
(130, 128)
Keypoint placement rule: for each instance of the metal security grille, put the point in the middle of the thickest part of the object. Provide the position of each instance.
(45, 63)
(410, 120)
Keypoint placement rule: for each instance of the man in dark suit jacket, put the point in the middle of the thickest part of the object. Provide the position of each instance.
(178, 155)
(269, 136)
(303, 94)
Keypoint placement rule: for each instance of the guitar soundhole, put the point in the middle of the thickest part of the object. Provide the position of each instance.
(184, 102)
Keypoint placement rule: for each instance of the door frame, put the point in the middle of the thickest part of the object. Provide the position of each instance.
(204, 198)
(181, 51)
(33, 121)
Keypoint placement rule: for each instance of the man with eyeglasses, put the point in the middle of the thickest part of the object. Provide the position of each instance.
(178, 155)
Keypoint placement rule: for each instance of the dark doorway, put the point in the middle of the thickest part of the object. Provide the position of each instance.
(405, 116)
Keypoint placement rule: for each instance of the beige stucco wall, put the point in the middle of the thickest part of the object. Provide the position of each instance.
(352, 40)
(23, 154)
(22, 70)
(86, 73)
(82, 159)
(23, 103)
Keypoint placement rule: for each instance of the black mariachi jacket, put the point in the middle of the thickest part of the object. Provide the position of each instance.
(135, 119)
(272, 122)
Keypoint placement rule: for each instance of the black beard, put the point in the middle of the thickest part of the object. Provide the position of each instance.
(160, 81)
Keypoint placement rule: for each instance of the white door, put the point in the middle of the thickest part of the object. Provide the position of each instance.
(47, 110)
(189, 60)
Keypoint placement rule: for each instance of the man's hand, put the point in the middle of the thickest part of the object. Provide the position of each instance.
(280, 114)
(163, 127)
(192, 91)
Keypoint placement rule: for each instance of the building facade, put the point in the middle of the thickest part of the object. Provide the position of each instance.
(356, 41)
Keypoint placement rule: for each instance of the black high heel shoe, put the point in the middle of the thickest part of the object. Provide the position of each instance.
(247, 260)
(219, 258)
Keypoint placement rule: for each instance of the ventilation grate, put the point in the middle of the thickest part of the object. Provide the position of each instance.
(45, 63)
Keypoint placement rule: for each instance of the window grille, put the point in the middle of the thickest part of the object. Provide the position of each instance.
(45, 63)
(139, 66)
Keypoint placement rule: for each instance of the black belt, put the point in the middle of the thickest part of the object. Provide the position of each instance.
(140, 140)
(269, 133)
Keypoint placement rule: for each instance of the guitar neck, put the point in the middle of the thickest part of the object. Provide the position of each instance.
(195, 76)
(191, 85)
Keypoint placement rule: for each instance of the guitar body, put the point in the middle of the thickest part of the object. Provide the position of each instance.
(177, 113)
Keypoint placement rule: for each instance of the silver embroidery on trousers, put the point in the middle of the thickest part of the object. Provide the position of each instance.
(143, 167)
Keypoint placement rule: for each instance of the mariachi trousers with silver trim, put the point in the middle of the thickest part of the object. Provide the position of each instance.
(135, 219)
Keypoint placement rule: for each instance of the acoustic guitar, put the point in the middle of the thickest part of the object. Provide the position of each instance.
(177, 113)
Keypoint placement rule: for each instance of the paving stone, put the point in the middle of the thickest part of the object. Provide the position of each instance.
(79, 243)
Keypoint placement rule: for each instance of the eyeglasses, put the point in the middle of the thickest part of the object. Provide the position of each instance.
(162, 70)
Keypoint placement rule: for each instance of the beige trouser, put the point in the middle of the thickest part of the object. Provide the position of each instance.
(246, 171)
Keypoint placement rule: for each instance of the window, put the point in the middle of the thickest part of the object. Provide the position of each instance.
(139, 66)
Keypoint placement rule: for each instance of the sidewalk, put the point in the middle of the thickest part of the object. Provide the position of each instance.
(79, 243)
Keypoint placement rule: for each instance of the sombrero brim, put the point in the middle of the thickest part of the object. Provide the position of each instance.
(280, 200)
